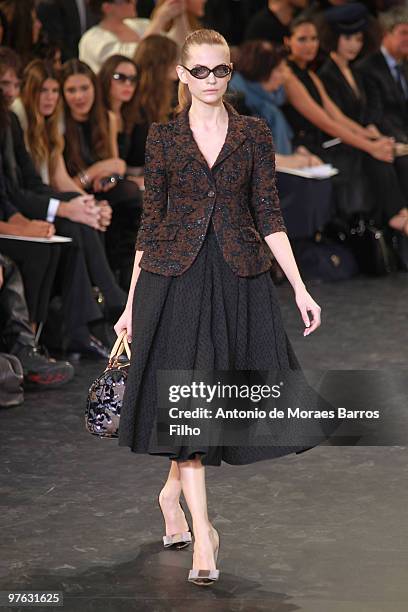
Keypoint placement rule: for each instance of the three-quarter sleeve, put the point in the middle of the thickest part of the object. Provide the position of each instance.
(264, 194)
(155, 194)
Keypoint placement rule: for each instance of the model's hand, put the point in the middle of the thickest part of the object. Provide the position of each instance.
(306, 304)
(125, 322)
(1, 277)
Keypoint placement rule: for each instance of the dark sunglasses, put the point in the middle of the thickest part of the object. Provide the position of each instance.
(122, 78)
(202, 72)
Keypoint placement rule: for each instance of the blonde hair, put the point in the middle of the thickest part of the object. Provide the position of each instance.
(199, 37)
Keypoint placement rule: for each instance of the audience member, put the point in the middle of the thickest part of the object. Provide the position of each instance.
(69, 212)
(345, 36)
(350, 183)
(64, 22)
(153, 97)
(119, 31)
(261, 72)
(37, 261)
(385, 78)
(16, 335)
(23, 27)
(272, 22)
(92, 159)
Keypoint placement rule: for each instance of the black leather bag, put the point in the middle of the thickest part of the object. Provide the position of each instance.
(374, 255)
(105, 395)
(11, 381)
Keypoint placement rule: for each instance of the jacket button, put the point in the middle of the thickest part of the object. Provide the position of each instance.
(211, 194)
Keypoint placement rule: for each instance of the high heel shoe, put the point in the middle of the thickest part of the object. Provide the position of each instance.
(205, 577)
(177, 540)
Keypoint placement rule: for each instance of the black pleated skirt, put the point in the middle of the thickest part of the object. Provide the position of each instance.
(206, 319)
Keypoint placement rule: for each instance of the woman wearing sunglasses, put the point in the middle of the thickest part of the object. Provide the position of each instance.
(202, 296)
(139, 92)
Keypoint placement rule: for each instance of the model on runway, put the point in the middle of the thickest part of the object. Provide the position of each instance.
(201, 295)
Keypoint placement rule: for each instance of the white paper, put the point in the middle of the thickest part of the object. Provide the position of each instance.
(53, 240)
(322, 171)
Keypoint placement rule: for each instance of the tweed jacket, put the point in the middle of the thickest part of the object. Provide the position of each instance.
(182, 194)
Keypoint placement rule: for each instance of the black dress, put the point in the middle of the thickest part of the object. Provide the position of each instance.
(383, 187)
(350, 185)
(126, 202)
(208, 318)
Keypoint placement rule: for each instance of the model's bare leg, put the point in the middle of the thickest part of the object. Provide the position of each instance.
(192, 476)
(169, 498)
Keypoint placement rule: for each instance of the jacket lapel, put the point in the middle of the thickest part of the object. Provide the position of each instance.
(388, 77)
(236, 134)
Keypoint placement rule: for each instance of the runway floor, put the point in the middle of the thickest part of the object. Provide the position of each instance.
(323, 531)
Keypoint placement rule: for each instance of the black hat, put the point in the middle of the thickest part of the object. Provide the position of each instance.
(348, 18)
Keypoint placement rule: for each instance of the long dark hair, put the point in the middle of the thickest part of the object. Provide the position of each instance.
(98, 117)
(154, 56)
(105, 78)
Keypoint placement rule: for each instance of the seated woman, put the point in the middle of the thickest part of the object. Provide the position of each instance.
(120, 31)
(140, 92)
(92, 159)
(350, 184)
(346, 33)
(39, 112)
(261, 72)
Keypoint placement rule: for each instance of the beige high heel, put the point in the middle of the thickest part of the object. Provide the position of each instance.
(205, 577)
(177, 540)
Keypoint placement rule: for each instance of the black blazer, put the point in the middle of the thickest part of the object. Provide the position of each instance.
(24, 186)
(182, 194)
(386, 106)
(61, 22)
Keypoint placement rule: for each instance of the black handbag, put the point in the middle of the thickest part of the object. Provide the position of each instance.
(374, 255)
(105, 395)
(11, 381)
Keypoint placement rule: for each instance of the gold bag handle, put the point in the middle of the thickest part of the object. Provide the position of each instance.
(120, 345)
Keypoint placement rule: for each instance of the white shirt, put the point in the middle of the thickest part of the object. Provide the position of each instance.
(97, 44)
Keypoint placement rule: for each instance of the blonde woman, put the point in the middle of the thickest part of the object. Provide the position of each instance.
(201, 296)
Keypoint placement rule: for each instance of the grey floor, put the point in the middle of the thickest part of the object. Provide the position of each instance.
(324, 531)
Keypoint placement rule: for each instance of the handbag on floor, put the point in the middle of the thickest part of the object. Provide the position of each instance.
(105, 395)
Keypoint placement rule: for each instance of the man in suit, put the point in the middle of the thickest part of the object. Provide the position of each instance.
(64, 22)
(385, 75)
(385, 79)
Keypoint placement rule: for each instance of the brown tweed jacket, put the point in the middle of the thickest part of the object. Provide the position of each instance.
(182, 193)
